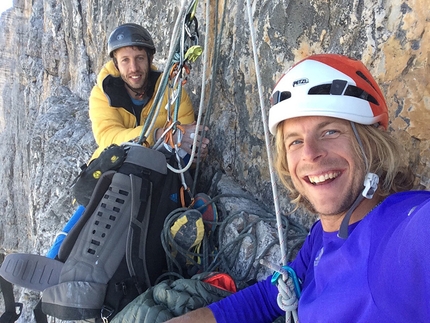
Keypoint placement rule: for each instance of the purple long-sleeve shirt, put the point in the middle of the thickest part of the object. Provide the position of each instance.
(380, 273)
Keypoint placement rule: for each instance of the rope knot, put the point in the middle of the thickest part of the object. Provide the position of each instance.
(287, 299)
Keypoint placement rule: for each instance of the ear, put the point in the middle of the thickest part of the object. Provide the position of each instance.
(380, 127)
(115, 62)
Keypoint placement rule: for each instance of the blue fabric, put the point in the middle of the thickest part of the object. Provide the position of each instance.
(380, 273)
(53, 252)
(139, 103)
(186, 159)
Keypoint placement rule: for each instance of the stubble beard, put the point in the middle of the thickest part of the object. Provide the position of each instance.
(142, 88)
(347, 200)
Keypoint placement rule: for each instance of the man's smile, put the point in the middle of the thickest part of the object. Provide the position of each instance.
(318, 179)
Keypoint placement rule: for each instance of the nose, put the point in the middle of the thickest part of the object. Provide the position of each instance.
(133, 65)
(312, 149)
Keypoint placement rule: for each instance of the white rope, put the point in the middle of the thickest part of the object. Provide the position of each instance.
(287, 300)
(282, 243)
(202, 94)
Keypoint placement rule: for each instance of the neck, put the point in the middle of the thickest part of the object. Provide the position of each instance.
(331, 223)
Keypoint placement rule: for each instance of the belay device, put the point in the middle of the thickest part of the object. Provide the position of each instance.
(114, 251)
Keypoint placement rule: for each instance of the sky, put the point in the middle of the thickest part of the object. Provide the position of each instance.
(5, 4)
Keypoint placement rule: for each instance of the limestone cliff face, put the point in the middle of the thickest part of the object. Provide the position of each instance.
(52, 50)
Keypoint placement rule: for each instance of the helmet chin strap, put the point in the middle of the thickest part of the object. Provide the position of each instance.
(139, 95)
(370, 186)
(371, 181)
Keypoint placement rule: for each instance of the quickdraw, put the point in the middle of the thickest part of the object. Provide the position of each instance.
(187, 52)
(184, 51)
(169, 136)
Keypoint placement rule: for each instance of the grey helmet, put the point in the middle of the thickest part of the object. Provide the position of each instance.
(130, 35)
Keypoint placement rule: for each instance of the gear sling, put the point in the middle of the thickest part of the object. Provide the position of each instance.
(114, 252)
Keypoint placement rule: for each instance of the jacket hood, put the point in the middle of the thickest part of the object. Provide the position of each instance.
(112, 85)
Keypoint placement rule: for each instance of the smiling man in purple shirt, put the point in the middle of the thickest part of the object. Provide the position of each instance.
(367, 258)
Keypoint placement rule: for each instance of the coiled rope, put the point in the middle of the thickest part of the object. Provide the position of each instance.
(216, 254)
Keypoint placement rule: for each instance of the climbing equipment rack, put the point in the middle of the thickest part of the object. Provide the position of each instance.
(184, 50)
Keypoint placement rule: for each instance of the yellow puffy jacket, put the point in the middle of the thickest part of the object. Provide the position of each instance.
(111, 109)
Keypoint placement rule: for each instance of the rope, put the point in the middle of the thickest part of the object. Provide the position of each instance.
(175, 40)
(218, 35)
(202, 97)
(269, 155)
(287, 301)
(201, 104)
(216, 255)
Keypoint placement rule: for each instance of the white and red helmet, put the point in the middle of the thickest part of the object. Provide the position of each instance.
(328, 85)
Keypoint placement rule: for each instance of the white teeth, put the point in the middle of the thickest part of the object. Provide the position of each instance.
(322, 178)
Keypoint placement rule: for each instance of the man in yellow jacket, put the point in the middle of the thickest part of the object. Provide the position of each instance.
(126, 86)
(123, 96)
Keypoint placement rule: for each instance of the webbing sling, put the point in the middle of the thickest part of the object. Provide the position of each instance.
(13, 310)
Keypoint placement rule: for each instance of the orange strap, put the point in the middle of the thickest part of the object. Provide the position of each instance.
(175, 69)
(182, 195)
(169, 135)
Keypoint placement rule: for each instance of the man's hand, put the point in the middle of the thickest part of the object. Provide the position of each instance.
(188, 140)
(203, 315)
(186, 137)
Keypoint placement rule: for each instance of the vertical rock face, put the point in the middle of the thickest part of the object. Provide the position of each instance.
(52, 50)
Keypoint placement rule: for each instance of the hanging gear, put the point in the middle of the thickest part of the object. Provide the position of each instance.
(184, 50)
(130, 35)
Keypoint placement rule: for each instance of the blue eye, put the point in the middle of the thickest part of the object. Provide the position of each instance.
(294, 143)
(330, 132)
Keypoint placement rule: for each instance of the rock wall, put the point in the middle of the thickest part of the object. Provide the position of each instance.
(52, 51)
